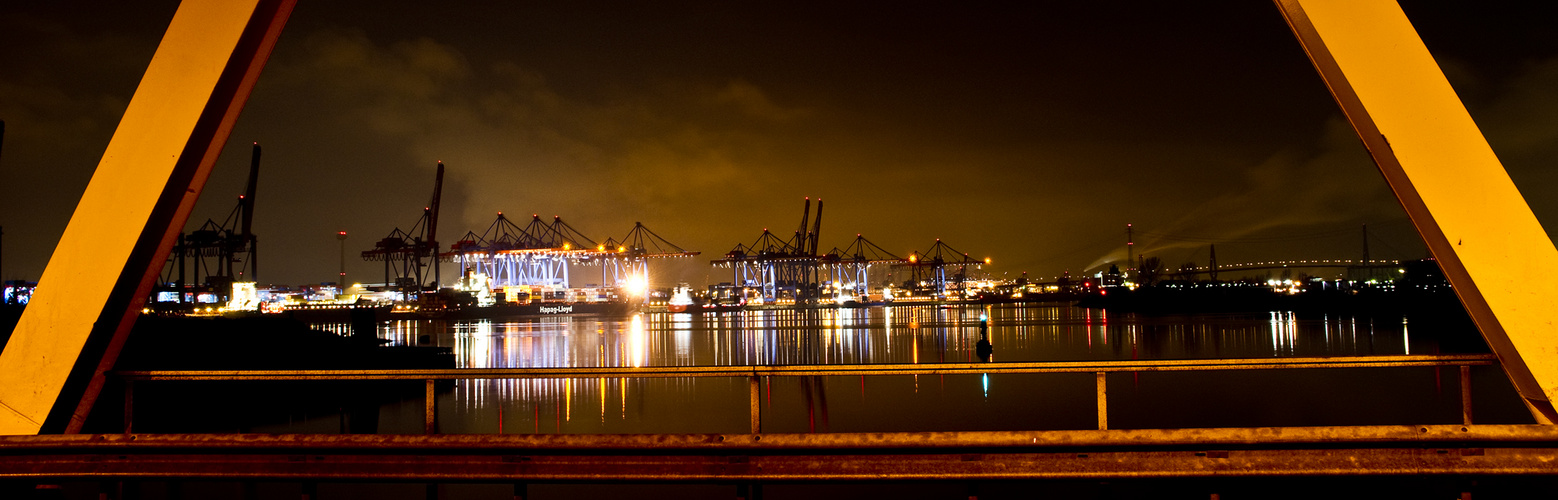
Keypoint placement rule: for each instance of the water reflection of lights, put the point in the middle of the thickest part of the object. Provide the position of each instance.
(920, 333)
(638, 356)
(1284, 332)
(681, 325)
(1406, 340)
(342, 329)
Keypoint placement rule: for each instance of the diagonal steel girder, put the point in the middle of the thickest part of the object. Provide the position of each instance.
(1439, 165)
(1457, 193)
(133, 209)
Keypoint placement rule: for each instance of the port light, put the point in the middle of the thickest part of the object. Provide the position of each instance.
(638, 285)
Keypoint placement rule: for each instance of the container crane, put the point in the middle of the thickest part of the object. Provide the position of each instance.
(211, 251)
(407, 255)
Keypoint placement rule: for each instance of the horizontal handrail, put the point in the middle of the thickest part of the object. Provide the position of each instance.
(824, 370)
(1403, 451)
(1425, 435)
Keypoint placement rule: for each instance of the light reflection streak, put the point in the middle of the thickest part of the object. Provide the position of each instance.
(638, 355)
(1406, 340)
(864, 335)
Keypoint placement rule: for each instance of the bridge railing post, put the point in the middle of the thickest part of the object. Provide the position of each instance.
(430, 411)
(1103, 402)
(129, 405)
(756, 405)
(1465, 394)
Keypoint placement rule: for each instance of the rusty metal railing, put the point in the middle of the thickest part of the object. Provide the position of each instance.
(1412, 451)
(755, 372)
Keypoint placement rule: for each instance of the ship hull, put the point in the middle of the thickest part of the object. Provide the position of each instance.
(521, 311)
(334, 314)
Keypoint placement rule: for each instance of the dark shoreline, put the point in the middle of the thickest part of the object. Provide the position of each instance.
(252, 343)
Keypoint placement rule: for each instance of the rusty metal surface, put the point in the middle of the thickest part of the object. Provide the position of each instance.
(1341, 436)
(1103, 401)
(828, 370)
(429, 409)
(755, 409)
(1370, 450)
(1465, 377)
(776, 468)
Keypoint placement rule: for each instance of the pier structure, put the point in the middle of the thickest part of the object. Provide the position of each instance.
(556, 244)
(537, 257)
(850, 269)
(507, 255)
(504, 253)
(408, 255)
(779, 270)
(628, 265)
(776, 268)
(217, 255)
(929, 271)
(771, 267)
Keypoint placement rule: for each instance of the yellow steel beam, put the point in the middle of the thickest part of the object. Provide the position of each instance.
(133, 208)
(1444, 173)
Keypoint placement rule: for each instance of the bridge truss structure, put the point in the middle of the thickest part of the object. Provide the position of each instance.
(1349, 264)
(1371, 58)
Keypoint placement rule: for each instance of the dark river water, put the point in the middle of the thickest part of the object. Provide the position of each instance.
(930, 334)
(904, 334)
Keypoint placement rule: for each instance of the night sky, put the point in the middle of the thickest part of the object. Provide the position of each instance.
(1028, 133)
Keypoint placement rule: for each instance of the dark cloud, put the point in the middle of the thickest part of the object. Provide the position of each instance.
(64, 86)
(1028, 134)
